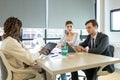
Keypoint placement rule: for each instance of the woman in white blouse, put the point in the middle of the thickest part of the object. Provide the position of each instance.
(17, 55)
(71, 38)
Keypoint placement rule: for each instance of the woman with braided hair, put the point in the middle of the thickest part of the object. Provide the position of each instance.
(15, 52)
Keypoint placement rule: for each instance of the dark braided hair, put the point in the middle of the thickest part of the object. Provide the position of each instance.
(12, 28)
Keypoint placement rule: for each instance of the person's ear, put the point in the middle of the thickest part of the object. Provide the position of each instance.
(96, 27)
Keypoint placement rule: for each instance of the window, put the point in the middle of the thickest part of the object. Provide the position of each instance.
(115, 20)
(52, 35)
(28, 34)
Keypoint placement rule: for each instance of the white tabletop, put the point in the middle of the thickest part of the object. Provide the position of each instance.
(75, 62)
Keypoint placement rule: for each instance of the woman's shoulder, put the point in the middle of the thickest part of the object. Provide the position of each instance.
(76, 33)
(7, 43)
(9, 39)
(10, 43)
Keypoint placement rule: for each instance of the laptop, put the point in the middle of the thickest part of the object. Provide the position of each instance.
(70, 48)
(49, 47)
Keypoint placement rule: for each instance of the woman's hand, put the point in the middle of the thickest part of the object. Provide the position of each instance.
(42, 50)
(71, 44)
(62, 45)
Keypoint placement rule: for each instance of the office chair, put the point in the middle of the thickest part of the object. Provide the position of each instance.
(84, 77)
(111, 48)
(69, 77)
(11, 69)
(3, 70)
(102, 73)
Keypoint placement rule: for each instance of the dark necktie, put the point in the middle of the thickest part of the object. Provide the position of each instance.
(93, 43)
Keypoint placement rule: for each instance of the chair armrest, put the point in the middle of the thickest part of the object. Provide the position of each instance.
(29, 70)
(102, 73)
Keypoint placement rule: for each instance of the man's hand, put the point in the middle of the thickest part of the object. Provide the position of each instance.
(84, 49)
(80, 49)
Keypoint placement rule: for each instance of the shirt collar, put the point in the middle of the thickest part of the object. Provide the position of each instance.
(94, 36)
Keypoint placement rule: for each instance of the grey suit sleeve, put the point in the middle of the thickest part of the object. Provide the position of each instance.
(85, 43)
(102, 46)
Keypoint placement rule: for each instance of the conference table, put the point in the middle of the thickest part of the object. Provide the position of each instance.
(58, 64)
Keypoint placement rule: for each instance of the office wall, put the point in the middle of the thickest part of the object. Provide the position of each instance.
(31, 12)
(79, 11)
(113, 36)
(100, 14)
(109, 5)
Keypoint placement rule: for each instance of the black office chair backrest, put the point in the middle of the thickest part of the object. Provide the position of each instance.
(110, 68)
(111, 48)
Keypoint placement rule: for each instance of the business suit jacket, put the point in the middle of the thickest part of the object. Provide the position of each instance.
(101, 47)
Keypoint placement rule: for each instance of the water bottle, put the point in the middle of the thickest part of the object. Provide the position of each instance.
(65, 49)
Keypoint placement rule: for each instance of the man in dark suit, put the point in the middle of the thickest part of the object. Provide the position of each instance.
(97, 43)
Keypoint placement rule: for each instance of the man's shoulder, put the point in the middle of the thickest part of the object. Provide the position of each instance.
(102, 34)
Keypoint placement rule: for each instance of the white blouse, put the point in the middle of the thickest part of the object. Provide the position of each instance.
(75, 40)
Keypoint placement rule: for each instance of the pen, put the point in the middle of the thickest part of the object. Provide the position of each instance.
(54, 55)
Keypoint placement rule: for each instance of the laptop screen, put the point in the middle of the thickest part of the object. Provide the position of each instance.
(50, 46)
